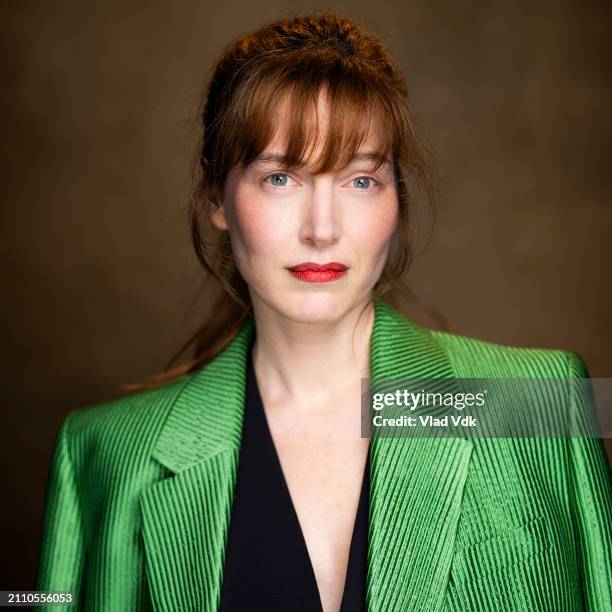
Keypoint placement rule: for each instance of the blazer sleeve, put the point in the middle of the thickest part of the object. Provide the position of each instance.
(591, 495)
(62, 548)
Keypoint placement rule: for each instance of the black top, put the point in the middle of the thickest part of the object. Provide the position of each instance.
(267, 566)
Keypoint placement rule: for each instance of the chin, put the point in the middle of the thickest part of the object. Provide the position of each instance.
(314, 308)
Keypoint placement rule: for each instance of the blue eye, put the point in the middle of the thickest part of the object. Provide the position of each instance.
(275, 179)
(363, 182)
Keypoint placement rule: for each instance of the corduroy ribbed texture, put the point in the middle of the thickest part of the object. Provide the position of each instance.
(141, 487)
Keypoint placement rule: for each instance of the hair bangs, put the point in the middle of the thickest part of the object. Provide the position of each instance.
(291, 109)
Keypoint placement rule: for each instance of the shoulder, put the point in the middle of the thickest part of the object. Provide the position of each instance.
(400, 335)
(484, 359)
(127, 425)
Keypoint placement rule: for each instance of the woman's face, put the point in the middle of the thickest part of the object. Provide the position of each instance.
(278, 219)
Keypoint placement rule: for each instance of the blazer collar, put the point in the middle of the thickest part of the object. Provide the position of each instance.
(415, 491)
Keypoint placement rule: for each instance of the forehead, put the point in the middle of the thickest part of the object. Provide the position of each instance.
(317, 127)
(321, 138)
(275, 157)
(317, 124)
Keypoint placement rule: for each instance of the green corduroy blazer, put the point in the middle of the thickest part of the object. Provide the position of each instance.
(141, 488)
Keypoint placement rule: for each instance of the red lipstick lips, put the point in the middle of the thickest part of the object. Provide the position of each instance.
(318, 273)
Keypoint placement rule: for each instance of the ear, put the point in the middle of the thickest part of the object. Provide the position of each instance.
(218, 218)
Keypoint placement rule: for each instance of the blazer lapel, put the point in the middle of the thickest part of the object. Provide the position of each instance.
(416, 483)
(185, 518)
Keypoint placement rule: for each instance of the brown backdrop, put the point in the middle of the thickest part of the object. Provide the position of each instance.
(98, 103)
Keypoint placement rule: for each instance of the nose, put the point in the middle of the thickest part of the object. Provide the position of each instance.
(322, 223)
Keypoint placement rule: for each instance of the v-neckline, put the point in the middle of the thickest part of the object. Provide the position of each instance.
(361, 506)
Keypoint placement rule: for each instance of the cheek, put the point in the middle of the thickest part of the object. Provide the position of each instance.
(251, 225)
(375, 227)
(258, 229)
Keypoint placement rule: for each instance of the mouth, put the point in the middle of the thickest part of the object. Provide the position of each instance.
(318, 273)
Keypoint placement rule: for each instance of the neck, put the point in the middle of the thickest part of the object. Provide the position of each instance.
(311, 364)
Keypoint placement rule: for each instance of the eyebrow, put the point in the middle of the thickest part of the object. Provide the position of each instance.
(362, 156)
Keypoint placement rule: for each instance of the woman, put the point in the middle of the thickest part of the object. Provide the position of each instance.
(241, 481)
